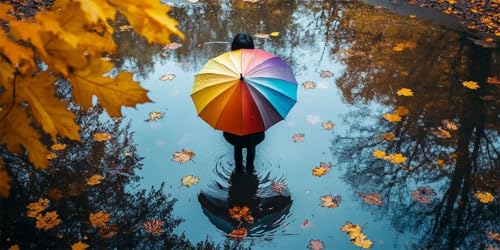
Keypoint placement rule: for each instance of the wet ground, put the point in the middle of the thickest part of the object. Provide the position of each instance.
(354, 58)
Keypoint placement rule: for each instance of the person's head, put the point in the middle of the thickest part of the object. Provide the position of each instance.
(242, 41)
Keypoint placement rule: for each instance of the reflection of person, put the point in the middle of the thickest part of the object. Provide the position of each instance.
(244, 41)
(267, 212)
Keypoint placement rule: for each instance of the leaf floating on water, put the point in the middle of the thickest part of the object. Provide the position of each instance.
(241, 214)
(79, 246)
(192, 1)
(484, 197)
(154, 116)
(35, 208)
(238, 233)
(402, 111)
(190, 180)
(405, 92)
(172, 46)
(278, 187)
(298, 137)
(323, 169)
(305, 224)
(388, 136)
(423, 195)
(379, 154)
(309, 85)
(154, 227)
(395, 158)
(451, 125)
(316, 245)
(441, 133)
(330, 201)
(325, 74)
(328, 125)
(167, 77)
(184, 156)
(470, 85)
(372, 199)
(47, 221)
(274, 34)
(358, 238)
(261, 35)
(99, 219)
(103, 136)
(51, 156)
(95, 180)
(392, 117)
(493, 80)
(58, 147)
(493, 236)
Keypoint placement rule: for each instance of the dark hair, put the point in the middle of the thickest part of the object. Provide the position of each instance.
(242, 41)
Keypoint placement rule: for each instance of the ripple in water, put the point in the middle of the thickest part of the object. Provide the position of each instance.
(231, 188)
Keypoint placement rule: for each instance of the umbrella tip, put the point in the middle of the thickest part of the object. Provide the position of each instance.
(241, 77)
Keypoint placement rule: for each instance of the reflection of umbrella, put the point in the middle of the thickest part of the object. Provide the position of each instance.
(244, 91)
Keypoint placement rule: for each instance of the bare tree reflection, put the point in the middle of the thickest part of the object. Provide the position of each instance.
(454, 167)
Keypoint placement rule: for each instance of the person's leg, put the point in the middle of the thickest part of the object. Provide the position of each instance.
(250, 158)
(238, 157)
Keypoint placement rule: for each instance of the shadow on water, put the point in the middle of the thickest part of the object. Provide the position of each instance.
(238, 188)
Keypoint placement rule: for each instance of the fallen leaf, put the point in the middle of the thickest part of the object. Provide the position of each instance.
(328, 125)
(395, 158)
(79, 246)
(392, 117)
(441, 163)
(154, 227)
(184, 156)
(238, 233)
(441, 133)
(14, 247)
(325, 74)
(99, 219)
(102, 136)
(405, 92)
(330, 201)
(402, 110)
(493, 80)
(413, 16)
(388, 136)
(47, 221)
(108, 232)
(190, 180)
(278, 187)
(493, 236)
(309, 85)
(316, 245)
(274, 34)
(154, 116)
(323, 169)
(95, 180)
(305, 224)
(361, 241)
(470, 85)
(484, 197)
(58, 147)
(372, 199)
(298, 137)
(241, 214)
(172, 46)
(423, 195)
(37, 207)
(55, 194)
(358, 238)
(192, 1)
(450, 125)
(51, 156)
(379, 154)
(349, 227)
(167, 77)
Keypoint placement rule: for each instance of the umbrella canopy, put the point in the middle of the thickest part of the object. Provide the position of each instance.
(244, 91)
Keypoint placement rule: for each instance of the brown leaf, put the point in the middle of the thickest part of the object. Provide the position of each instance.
(154, 227)
(330, 201)
(99, 219)
(316, 245)
(372, 199)
(184, 156)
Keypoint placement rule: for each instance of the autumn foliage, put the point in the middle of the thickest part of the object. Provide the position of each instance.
(66, 43)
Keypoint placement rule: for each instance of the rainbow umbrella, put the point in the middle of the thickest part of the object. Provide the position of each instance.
(244, 91)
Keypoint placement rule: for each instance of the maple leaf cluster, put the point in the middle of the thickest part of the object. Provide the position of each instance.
(66, 41)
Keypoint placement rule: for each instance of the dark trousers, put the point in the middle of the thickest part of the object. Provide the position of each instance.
(246, 141)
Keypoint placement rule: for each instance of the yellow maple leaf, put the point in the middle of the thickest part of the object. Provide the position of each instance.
(451, 125)
(362, 242)
(405, 92)
(95, 180)
(441, 133)
(379, 154)
(184, 156)
(470, 85)
(330, 201)
(47, 221)
(190, 180)
(17, 133)
(101, 136)
(349, 227)
(484, 197)
(274, 34)
(392, 117)
(321, 170)
(79, 246)
(395, 158)
(4, 181)
(20, 56)
(35, 208)
(99, 219)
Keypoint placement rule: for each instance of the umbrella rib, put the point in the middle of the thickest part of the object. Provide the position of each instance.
(225, 67)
